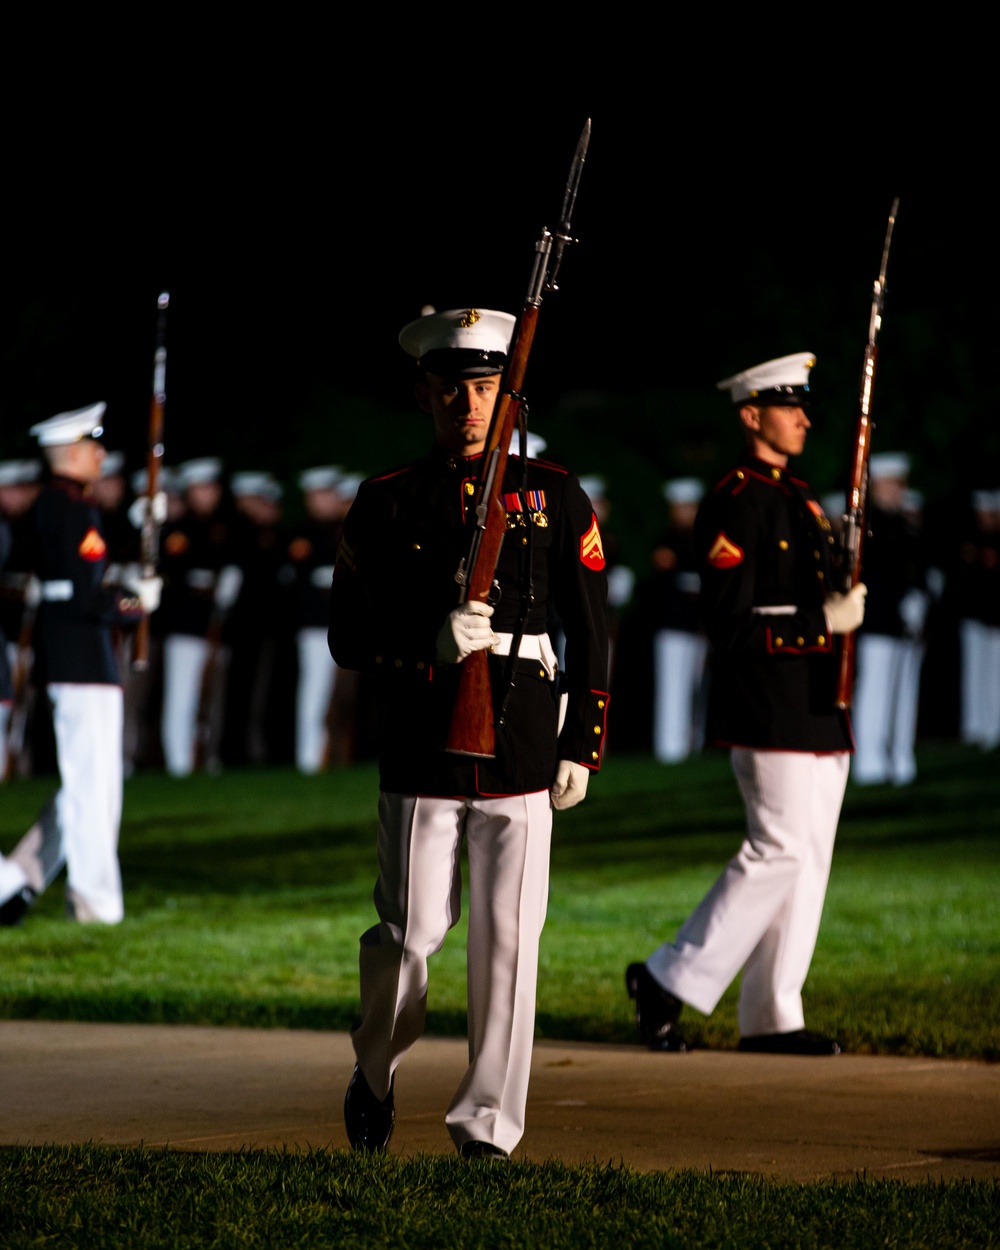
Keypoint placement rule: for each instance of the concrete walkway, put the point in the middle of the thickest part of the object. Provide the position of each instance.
(222, 1089)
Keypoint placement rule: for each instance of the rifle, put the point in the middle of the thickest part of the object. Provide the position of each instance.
(855, 518)
(471, 730)
(150, 540)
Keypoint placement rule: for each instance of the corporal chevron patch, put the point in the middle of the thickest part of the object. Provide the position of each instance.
(92, 546)
(724, 553)
(591, 547)
(345, 555)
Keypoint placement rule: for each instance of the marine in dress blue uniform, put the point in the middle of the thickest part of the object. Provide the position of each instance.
(75, 661)
(977, 591)
(202, 577)
(394, 614)
(891, 643)
(679, 643)
(764, 549)
(312, 552)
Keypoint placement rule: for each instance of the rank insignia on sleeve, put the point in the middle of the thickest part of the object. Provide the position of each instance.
(175, 544)
(92, 546)
(591, 547)
(724, 553)
(345, 555)
(816, 509)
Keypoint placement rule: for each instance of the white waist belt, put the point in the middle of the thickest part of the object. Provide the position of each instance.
(786, 609)
(533, 647)
(57, 592)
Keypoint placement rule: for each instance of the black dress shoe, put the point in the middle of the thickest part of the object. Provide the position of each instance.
(482, 1150)
(799, 1042)
(369, 1122)
(656, 1010)
(14, 909)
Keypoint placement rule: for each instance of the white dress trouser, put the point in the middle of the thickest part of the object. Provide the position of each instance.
(88, 730)
(884, 717)
(184, 659)
(316, 675)
(679, 662)
(980, 683)
(763, 912)
(418, 899)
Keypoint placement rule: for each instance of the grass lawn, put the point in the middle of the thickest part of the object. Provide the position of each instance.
(82, 1197)
(246, 894)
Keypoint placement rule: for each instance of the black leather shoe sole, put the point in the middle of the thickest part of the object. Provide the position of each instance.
(799, 1042)
(14, 909)
(368, 1120)
(656, 1011)
(482, 1150)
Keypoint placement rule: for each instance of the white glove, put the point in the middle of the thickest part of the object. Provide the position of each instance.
(621, 583)
(228, 586)
(570, 785)
(465, 630)
(148, 591)
(32, 592)
(139, 507)
(844, 613)
(913, 611)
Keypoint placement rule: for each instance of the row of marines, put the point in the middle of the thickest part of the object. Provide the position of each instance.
(233, 578)
(765, 560)
(243, 592)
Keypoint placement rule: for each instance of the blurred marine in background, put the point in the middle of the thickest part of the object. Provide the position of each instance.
(76, 662)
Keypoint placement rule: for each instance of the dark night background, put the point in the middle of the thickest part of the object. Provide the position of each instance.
(299, 222)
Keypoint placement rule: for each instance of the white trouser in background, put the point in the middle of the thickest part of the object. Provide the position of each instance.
(184, 659)
(316, 676)
(88, 729)
(980, 683)
(763, 912)
(679, 664)
(418, 899)
(884, 710)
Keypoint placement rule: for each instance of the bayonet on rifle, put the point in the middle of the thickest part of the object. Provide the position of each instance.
(854, 520)
(150, 537)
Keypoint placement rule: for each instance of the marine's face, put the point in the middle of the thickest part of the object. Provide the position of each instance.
(775, 432)
(81, 461)
(461, 408)
(204, 497)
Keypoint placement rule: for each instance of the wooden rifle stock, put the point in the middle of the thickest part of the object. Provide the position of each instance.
(856, 515)
(856, 521)
(471, 729)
